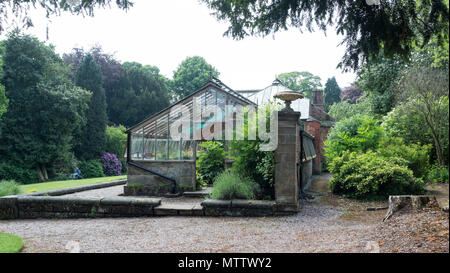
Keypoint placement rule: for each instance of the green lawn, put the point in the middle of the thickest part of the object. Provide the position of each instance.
(67, 184)
(10, 243)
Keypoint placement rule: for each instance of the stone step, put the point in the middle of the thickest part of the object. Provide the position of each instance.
(179, 210)
(198, 194)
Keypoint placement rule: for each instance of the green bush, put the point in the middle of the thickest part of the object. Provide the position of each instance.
(438, 174)
(416, 156)
(116, 140)
(370, 176)
(211, 161)
(9, 188)
(359, 133)
(91, 169)
(230, 185)
(11, 172)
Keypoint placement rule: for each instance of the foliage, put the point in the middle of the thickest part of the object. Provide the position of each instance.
(428, 89)
(133, 91)
(92, 137)
(52, 7)
(370, 176)
(351, 94)
(406, 121)
(356, 134)
(231, 185)
(342, 110)
(377, 77)
(438, 174)
(3, 101)
(9, 171)
(10, 243)
(111, 165)
(301, 81)
(416, 156)
(332, 93)
(190, 76)
(9, 187)
(91, 168)
(116, 139)
(211, 161)
(393, 26)
(45, 108)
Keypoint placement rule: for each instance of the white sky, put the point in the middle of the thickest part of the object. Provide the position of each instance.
(165, 32)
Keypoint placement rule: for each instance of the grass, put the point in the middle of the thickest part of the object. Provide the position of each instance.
(56, 185)
(10, 243)
(9, 188)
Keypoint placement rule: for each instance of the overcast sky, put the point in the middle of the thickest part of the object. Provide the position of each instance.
(165, 32)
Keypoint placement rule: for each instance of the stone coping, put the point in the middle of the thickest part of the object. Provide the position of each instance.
(71, 190)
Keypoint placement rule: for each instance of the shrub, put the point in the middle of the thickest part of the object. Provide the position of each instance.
(111, 165)
(416, 157)
(211, 161)
(91, 169)
(116, 140)
(438, 174)
(256, 164)
(370, 176)
(230, 185)
(9, 188)
(11, 172)
(359, 133)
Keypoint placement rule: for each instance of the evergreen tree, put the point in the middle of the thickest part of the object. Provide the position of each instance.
(44, 110)
(332, 93)
(92, 137)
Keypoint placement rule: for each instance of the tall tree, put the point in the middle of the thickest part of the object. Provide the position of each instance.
(427, 88)
(301, 81)
(45, 108)
(140, 92)
(3, 98)
(332, 93)
(351, 94)
(377, 78)
(190, 75)
(393, 26)
(53, 7)
(92, 137)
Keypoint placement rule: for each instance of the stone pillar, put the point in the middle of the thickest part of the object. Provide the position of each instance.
(286, 179)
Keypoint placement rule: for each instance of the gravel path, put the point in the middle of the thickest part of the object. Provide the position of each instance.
(325, 224)
(317, 228)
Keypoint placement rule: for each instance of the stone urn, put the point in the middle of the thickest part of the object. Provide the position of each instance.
(288, 97)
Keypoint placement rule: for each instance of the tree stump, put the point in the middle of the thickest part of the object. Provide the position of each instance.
(399, 202)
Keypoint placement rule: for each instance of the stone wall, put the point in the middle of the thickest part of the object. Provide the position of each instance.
(141, 182)
(34, 207)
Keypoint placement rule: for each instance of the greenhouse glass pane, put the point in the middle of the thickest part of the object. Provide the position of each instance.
(161, 149)
(174, 150)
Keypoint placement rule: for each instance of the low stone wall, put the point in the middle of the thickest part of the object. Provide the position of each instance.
(32, 207)
(236, 208)
(142, 183)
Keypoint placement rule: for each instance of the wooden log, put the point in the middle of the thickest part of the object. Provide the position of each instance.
(398, 202)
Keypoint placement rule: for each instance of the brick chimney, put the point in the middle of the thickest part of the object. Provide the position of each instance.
(317, 99)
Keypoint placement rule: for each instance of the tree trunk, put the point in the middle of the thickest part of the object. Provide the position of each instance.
(42, 173)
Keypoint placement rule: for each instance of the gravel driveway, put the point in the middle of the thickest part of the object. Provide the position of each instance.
(326, 224)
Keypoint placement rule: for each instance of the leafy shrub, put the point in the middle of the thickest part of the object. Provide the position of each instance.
(438, 174)
(9, 188)
(230, 185)
(116, 140)
(111, 165)
(91, 169)
(359, 133)
(416, 156)
(343, 110)
(258, 165)
(11, 172)
(370, 176)
(211, 161)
